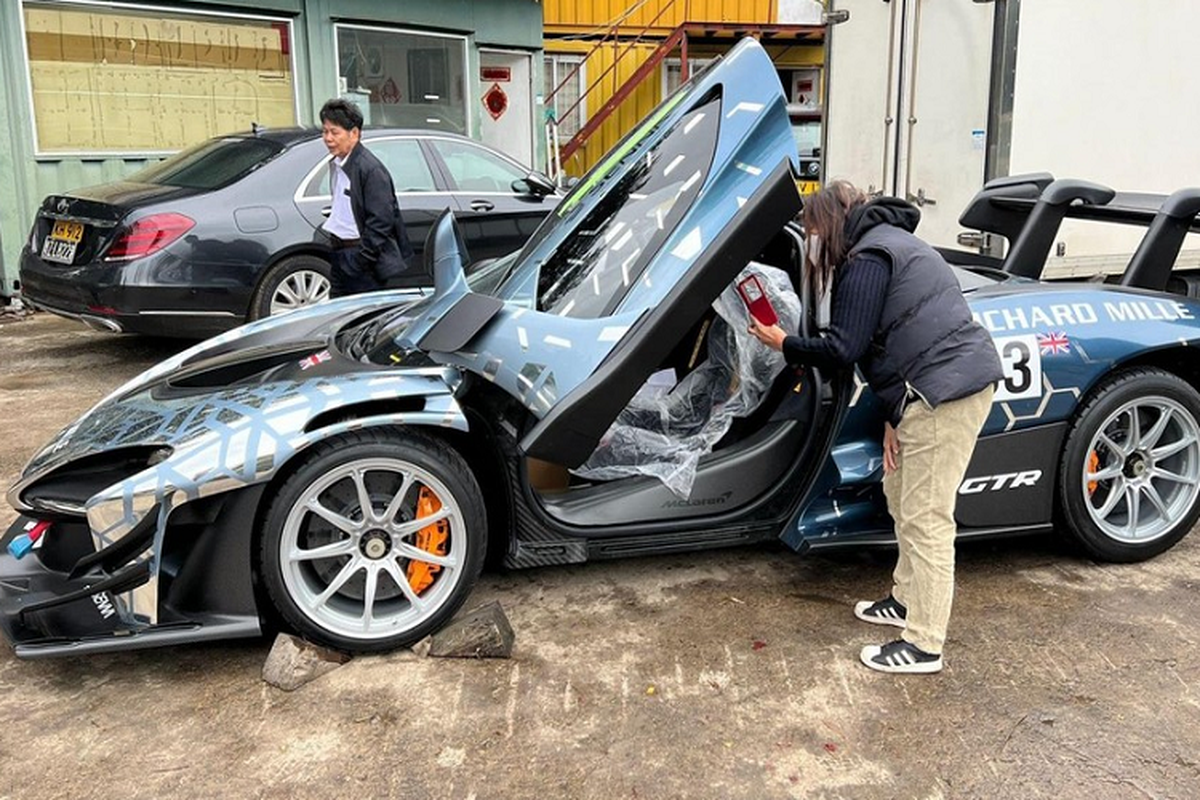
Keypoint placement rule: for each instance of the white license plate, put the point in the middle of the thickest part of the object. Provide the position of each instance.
(59, 251)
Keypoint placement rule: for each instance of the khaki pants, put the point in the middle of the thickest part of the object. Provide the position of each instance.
(935, 447)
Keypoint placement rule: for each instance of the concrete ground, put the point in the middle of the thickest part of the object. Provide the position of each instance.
(718, 675)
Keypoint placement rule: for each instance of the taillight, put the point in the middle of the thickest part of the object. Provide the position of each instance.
(149, 235)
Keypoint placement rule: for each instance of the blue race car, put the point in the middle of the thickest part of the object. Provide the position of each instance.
(345, 470)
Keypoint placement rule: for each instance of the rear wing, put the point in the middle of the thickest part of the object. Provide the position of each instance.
(1029, 209)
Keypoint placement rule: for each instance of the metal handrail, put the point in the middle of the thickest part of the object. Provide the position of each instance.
(632, 43)
(613, 32)
(583, 134)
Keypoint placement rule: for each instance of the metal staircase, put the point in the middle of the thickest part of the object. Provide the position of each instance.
(675, 38)
(668, 39)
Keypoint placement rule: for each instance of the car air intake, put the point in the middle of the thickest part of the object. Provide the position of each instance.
(67, 489)
(148, 235)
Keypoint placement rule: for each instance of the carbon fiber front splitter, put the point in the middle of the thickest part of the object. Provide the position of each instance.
(46, 612)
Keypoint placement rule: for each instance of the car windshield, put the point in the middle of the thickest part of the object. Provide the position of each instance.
(972, 278)
(590, 271)
(211, 164)
(808, 136)
(580, 267)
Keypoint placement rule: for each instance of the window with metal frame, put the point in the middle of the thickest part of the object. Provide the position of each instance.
(128, 79)
(673, 72)
(404, 79)
(556, 68)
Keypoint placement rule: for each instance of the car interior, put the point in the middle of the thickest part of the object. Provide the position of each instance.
(753, 456)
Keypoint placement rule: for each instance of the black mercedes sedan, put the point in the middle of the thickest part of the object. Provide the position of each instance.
(229, 230)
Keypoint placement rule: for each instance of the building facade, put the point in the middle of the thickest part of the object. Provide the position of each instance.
(93, 91)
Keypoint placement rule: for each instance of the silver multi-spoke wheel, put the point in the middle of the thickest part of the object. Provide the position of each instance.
(1143, 470)
(375, 540)
(1130, 476)
(351, 553)
(301, 288)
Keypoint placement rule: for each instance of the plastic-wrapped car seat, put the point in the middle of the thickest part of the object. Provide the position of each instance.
(665, 429)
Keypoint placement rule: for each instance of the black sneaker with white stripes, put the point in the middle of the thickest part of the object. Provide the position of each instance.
(887, 611)
(900, 656)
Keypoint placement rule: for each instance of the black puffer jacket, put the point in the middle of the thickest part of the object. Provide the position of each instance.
(926, 343)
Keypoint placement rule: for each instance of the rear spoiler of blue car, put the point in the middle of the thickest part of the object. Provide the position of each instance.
(1029, 209)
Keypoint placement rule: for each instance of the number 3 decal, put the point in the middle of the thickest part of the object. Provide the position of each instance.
(1021, 359)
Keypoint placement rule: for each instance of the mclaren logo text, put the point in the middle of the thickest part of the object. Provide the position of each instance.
(996, 483)
(718, 500)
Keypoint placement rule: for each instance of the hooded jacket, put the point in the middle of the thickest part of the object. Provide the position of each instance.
(926, 344)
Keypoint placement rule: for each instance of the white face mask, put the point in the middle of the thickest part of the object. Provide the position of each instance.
(813, 250)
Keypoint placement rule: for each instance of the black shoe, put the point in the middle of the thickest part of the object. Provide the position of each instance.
(900, 656)
(882, 612)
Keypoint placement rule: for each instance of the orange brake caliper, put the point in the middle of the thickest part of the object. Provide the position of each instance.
(1093, 468)
(431, 539)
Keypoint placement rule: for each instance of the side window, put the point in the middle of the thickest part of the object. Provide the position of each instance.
(474, 169)
(404, 159)
(318, 184)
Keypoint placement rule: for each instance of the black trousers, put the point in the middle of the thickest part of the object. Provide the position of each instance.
(346, 278)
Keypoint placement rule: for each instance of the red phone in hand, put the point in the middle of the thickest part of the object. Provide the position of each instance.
(756, 301)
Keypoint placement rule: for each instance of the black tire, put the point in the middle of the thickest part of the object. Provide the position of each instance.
(324, 598)
(1112, 466)
(294, 282)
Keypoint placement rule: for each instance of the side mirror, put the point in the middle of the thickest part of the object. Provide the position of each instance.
(535, 184)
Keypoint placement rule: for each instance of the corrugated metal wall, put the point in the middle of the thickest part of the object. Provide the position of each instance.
(588, 14)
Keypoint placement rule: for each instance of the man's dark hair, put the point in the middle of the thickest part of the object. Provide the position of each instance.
(343, 113)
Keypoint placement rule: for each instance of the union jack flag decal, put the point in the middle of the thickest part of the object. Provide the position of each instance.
(314, 359)
(1054, 343)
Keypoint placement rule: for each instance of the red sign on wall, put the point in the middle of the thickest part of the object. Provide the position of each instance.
(495, 74)
(495, 101)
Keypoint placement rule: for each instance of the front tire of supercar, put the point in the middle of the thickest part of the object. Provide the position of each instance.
(1130, 473)
(375, 541)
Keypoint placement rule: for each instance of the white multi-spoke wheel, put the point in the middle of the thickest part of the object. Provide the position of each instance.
(1130, 476)
(375, 541)
(293, 283)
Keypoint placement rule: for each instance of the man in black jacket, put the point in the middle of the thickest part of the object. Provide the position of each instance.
(370, 246)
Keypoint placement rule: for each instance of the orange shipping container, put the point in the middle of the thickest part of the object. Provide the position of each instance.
(665, 14)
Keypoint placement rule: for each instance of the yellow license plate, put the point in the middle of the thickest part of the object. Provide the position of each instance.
(808, 187)
(65, 231)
